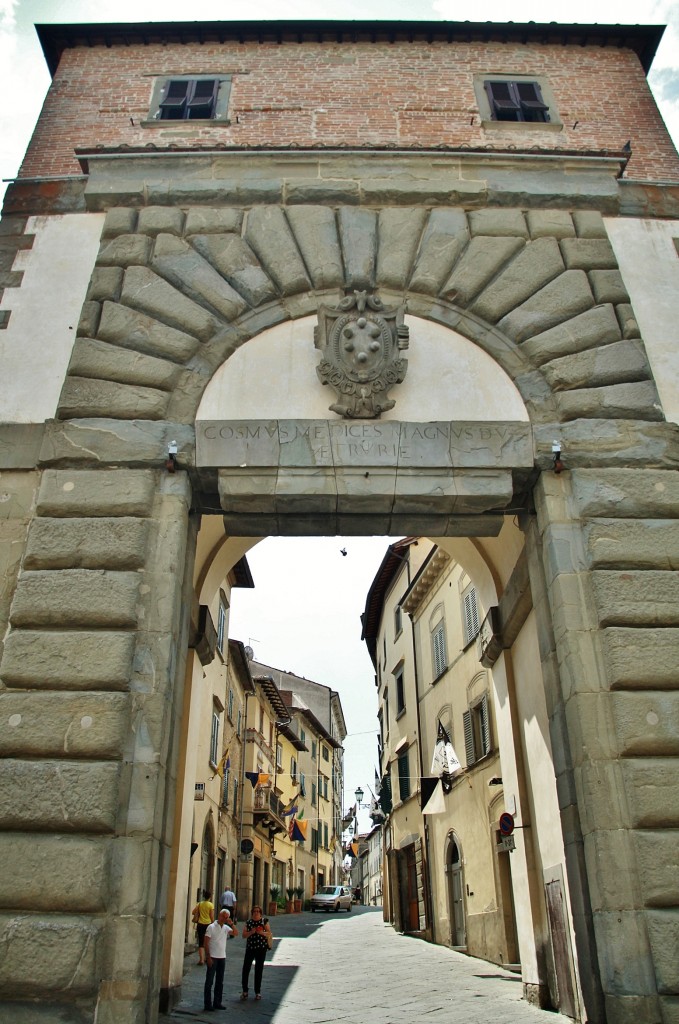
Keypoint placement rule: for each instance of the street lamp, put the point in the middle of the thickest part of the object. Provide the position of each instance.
(358, 793)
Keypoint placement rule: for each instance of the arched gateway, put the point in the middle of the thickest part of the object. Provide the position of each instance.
(529, 421)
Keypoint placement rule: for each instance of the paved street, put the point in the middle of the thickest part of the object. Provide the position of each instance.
(354, 968)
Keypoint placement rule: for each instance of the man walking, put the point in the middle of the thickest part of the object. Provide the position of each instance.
(227, 901)
(215, 951)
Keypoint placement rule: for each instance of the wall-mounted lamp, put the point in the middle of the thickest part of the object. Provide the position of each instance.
(557, 461)
(171, 461)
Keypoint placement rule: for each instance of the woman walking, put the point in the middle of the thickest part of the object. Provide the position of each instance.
(203, 914)
(257, 934)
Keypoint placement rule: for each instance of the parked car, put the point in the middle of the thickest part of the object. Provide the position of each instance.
(332, 897)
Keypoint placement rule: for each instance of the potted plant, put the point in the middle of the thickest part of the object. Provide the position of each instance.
(299, 896)
(274, 892)
(290, 906)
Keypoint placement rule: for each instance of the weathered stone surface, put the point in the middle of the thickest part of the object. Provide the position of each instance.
(76, 597)
(176, 261)
(68, 874)
(63, 796)
(156, 220)
(663, 932)
(142, 333)
(90, 315)
(594, 327)
(641, 658)
(635, 598)
(268, 233)
(637, 401)
(657, 856)
(626, 966)
(77, 492)
(358, 237)
(588, 254)
(105, 283)
(443, 241)
(608, 286)
(627, 320)
(70, 971)
(104, 543)
(315, 231)
(95, 442)
(218, 220)
(652, 787)
(399, 233)
(534, 266)
(120, 220)
(71, 725)
(498, 222)
(125, 251)
(151, 295)
(550, 224)
(611, 870)
(478, 265)
(669, 1008)
(589, 224)
(338, 192)
(19, 449)
(82, 396)
(633, 543)
(597, 443)
(621, 362)
(236, 262)
(559, 300)
(627, 493)
(103, 360)
(67, 660)
(647, 724)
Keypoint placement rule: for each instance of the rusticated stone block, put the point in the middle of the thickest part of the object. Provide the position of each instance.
(550, 224)
(588, 254)
(111, 543)
(559, 300)
(67, 660)
(647, 724)
(535, 265)
(478, 265)
(62, 873)
(90, 315)
(62, 796)
(120, 220)
(589, 224)
(625, 959)
(626, 493)
(444, 239)
(176, 261)
(636, 401)
(102, 360)
(657, 856)
(398, 232)
(498, 222)
(608, 286)
(105, 283)
(82, 397)
(212, 220)
(83, 492)
(589, 329)
(236, 262)
(669, 1008)
(268, 233)
(315, 231)
(639, 658)
(622, 362)
(155, 220)
(151, 295)
(652, 788)
(633, 543)
(358, 237)
(76, 597)
(602, 444)
(627, 320)
(96, 442)
(636, 598)
(663, 932)
(611, 870)
(134, 330)
(71, 970)
(125, 251)
(64, 724)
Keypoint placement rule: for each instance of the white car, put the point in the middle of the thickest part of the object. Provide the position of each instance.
(332, 897)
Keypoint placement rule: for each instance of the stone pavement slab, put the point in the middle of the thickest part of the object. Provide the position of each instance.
(353, 968)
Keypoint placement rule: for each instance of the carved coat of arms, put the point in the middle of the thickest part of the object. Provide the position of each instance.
(361, 343)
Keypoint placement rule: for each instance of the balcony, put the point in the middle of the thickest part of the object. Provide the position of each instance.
(268, 810)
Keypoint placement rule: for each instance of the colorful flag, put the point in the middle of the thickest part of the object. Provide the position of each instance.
(224, 764)
(298, 830)
(257, 778)
(292, 807)
(445, 764)
(436, 803)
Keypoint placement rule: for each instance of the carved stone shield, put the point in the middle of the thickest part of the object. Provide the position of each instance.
(361, 341)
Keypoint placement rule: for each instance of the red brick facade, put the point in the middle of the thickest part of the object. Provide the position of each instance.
(352, 94)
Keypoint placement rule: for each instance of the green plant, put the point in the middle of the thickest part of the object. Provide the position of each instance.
(290, 891)
(299, 891)
(274, 891)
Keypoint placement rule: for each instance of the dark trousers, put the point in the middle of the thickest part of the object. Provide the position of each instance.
(258, 956)
(215, 972)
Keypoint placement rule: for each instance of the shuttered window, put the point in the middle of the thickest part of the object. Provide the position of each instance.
(516, 101)
(439, 652)
(189, 99)
(476, 721)
(470, 615)
(403, 776)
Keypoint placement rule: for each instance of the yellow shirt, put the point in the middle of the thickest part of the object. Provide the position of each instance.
(204, 908)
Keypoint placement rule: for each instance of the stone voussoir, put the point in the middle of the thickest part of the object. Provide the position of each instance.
(315, 231)
(443, 241)
(83, 396)
(589, 329)
(102, 360)
(534, 266)
(358, 238)
(152, 296)
(621, 362)
(134, 330)
(634, 401)
(268, 233)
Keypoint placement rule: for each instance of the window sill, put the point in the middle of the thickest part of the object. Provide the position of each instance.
(199, 122)
(400, 714)
(530, 126)
(440, 676)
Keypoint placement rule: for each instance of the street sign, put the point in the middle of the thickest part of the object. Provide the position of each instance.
(246, 846)
(506, 823)
(507, 843)
(245, 858)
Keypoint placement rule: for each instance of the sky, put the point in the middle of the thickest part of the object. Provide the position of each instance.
(303, 615)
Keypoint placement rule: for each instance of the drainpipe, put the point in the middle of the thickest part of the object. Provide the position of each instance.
(242, 792)
(428, 902)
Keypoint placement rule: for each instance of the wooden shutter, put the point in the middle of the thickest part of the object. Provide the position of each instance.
(440, 653)
(471, 615)
(202, 98)
(504, 104)
(469, 745)
(533, 107)
(172, 106)
(403, 777)
(485, 724)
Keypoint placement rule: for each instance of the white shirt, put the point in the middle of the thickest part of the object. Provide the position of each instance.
(218, 934)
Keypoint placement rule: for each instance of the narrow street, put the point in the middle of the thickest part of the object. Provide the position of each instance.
(355, 968)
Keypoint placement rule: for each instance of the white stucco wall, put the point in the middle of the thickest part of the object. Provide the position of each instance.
(649, 264)
(273, 376)
(35, 348)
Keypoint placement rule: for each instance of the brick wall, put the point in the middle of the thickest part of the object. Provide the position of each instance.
(351, 94)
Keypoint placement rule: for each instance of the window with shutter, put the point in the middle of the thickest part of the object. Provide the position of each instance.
(190, 98)
(516, 101)
(403, 776)
(484, 724)
(439, 652)
(477, 739)
(469, 747)
(470, 614)
(400, 692)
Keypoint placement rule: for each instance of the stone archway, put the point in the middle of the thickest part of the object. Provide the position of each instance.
(92, 663)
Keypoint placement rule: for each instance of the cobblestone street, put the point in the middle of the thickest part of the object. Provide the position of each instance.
(356, 969)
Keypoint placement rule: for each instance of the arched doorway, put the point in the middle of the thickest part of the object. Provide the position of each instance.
(455, 873)
(207, 859)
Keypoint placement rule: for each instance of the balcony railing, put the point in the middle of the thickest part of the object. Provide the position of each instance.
(268, 809)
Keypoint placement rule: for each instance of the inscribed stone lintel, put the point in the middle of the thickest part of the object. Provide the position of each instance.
(291, 443)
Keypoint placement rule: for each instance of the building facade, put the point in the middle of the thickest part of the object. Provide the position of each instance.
(195, 200)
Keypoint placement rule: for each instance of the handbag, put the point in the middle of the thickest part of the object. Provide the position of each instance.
(269, 940)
